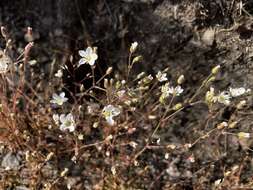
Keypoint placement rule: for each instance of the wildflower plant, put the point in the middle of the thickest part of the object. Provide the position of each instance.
(116, 124)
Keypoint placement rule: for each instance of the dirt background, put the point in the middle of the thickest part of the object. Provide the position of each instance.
(188, 36)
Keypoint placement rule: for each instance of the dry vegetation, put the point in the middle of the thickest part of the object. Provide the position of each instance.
(123, 127)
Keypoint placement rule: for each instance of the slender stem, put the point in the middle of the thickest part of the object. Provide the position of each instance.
(93, 76)
(199, 89)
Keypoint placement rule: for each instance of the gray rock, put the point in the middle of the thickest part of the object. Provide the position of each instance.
(21, 188)
(11, 161)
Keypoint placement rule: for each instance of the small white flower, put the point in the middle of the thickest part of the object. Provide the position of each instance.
(56, 119)
(224, 98)
(161, 77)
(59, 73)
(121, 93)
(175, 91)
(4, 62)
(235, 92)
(149, 77)
(67, 122)
(3, 67)
(113, 170)
(166, 156)
(133, 47)
(88, 56)
(80, 137)
(217, 182)
(59, 99)
(133, 144)
(32, 62)
(109, 112)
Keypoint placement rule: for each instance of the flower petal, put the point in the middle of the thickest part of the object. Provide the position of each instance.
(92, 62)
(71, 128)
(89, 50)
(82, 53)
(62, 94)
(82, 61)
(62, 118)
(110, 121)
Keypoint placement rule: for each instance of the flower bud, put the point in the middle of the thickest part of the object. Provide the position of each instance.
(242, 135)
(137, 59)
(180, 79)
(177, 106)
(241, 104)
(64, 172)
(49, 156)
(140, 75)
(232, 125)
(109, 71)
(216, 69)
(3, 31)
(133, 47)
(210, 80)
(106, 83)
(222, 125)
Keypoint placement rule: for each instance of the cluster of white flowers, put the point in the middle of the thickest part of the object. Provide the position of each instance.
(88, 56)
(59, 99)
(109, 112)
(66, 122)
(167, 90)
(225, 97)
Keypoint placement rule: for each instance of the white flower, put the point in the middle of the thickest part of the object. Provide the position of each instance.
(161, 77)
(113, 170)
(133, 47)
(88, 56)
(56, 119)
(67, 122)
(59, 99)
(109, 112)
(235, 92)
(59, 73)
(175, 91)
(4, 61)
(224, 98)
(3, 67)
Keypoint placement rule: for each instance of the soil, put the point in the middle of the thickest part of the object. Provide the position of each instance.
(189, 37)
